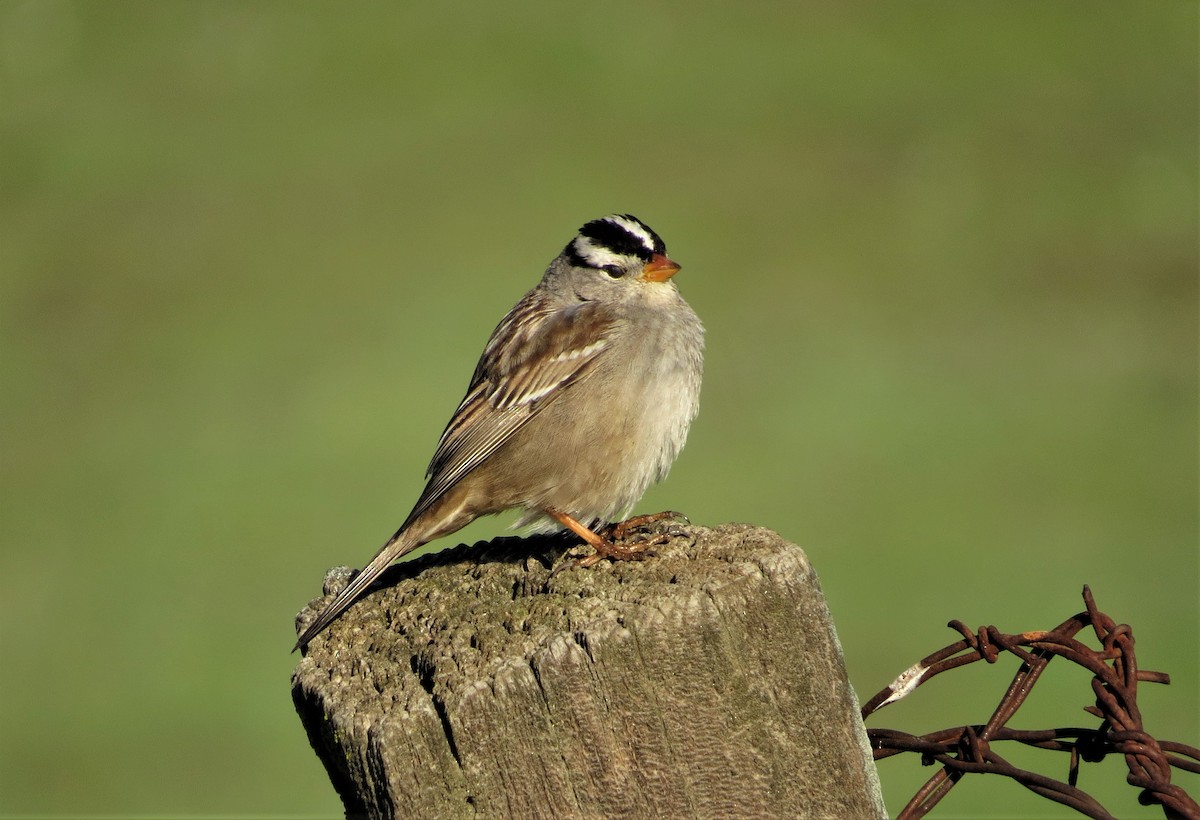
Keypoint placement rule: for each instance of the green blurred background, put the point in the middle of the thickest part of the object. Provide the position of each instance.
(946, 254)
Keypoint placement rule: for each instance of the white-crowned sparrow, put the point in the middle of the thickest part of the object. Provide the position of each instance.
(581, 400)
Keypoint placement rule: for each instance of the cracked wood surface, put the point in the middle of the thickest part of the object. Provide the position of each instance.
(706, 680)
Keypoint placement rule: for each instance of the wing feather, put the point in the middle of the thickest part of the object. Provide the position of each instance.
(535, 352)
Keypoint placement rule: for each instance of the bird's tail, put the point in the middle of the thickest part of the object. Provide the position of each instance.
(405, 540)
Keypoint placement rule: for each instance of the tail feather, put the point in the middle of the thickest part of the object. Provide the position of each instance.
(399, 544)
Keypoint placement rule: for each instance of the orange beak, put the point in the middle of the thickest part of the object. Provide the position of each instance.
(659, 269)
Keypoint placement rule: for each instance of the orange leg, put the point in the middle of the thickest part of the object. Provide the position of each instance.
(603, 547)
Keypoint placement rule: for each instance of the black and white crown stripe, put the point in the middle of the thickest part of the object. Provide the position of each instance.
(612, 240)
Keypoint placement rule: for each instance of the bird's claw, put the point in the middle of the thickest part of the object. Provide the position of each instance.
(623, 529)
(613, 542)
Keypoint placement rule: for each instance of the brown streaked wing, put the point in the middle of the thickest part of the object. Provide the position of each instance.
(535, 351)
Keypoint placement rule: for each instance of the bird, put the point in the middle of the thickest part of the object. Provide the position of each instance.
(582, 399)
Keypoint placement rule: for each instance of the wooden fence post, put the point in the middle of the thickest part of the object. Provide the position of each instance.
(706, 680)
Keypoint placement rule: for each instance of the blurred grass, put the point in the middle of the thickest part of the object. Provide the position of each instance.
(946, 254)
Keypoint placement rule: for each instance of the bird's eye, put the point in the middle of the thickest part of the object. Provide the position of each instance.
(615, 271)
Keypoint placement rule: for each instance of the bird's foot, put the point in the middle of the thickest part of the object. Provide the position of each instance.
(622, 551)
(613, 541)
(641, 523)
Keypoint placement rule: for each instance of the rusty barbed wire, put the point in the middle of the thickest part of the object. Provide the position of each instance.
(969, 749)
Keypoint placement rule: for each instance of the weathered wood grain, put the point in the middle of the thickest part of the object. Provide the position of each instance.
(704, 681)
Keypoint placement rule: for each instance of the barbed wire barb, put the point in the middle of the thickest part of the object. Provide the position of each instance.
(966, 750)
